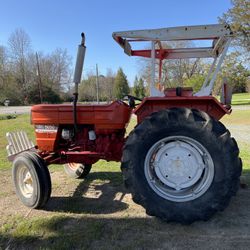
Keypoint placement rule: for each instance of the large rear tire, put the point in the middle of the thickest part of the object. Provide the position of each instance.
(31, 179)
(181, 165)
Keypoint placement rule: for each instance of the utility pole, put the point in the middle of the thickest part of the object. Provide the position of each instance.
(97, 84)
(39, 79)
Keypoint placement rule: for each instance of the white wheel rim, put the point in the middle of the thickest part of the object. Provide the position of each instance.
(76, 167)
(179, 168)
(25, 181)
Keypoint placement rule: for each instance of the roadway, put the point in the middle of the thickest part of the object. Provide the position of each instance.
(14, 110)
(26, 109)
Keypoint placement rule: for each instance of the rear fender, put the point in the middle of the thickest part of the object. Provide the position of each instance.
(208, 104)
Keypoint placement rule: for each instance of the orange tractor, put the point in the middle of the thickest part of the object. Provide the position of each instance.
(180, 162)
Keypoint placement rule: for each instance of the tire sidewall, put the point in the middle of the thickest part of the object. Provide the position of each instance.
(208, 140)
(34, 199)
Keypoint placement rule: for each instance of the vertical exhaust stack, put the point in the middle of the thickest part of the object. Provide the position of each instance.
(78, 76)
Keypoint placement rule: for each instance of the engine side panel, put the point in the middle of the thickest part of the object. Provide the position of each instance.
(107, 121)
(112, 116)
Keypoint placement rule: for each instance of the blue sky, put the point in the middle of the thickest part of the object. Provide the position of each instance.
(58, 24)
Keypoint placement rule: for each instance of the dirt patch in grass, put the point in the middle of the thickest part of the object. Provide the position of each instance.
(100, 193)
(98, 213)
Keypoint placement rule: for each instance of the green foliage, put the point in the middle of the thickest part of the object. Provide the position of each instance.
(9, 89)
(49, 96)
(121, 87)
(66, 97)
(238, 18)
(19, 67)
(141, 88)
(195, 82)
(88, 88)
(235, 72)
(7, 117)
(174, 72)
(136, 90)
(238, 79)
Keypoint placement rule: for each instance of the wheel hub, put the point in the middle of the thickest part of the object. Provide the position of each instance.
(25, 182)
(178, 165)
(179, 168)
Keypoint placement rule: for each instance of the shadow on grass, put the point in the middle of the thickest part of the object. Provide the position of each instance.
(225, 230)
(68, 232)
(245, 178)
(103, 196)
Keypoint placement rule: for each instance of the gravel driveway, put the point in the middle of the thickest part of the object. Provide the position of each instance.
(15, 110)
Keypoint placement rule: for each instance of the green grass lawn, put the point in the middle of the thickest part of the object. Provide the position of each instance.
(77, 229)
(241, 99)
(237, 117)
(241, 118)
(22, 122)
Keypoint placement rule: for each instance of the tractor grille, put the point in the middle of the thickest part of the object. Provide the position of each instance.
(18, 142)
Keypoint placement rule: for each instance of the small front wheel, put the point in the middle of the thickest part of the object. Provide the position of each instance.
(77, 170)
(31, 179)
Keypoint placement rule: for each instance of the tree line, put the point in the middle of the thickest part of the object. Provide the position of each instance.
(29, 77)
(20, 80)
(190, 72)
(110, 87)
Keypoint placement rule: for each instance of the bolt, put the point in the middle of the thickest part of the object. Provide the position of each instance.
(152, 180)
(155, 164)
